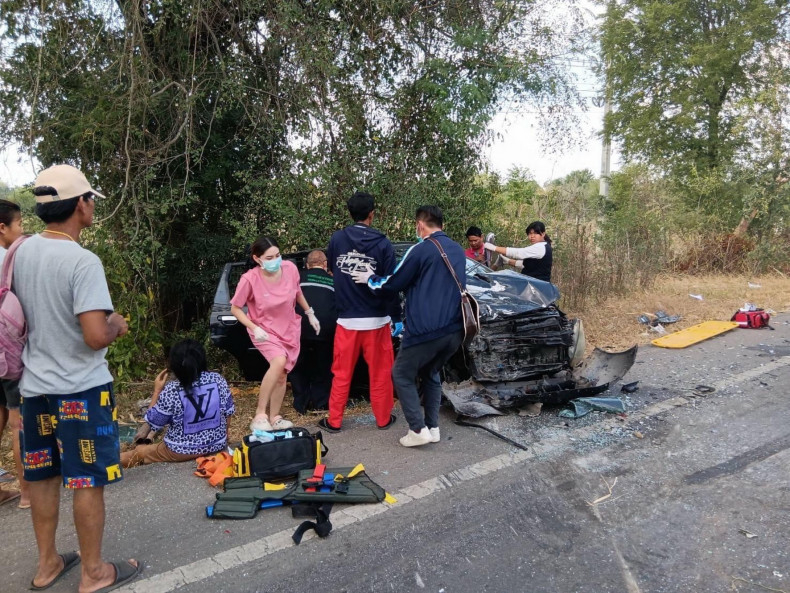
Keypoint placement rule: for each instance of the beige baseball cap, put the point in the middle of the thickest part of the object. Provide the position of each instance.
(61, 182)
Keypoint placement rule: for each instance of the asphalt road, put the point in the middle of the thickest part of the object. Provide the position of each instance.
(690, 492)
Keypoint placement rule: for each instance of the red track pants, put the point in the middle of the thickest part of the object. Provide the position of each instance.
(376, 347)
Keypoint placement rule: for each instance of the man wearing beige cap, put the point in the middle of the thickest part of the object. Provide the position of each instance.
(69, 421)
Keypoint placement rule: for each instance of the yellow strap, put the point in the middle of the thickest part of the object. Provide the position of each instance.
(268, 486)
(318, 451)
(357, 469)
(389, 498)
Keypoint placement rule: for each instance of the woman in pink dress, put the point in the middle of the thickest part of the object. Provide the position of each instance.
(269, 293)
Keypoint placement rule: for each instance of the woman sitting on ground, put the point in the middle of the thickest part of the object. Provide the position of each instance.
(195, 408)
(534, 260)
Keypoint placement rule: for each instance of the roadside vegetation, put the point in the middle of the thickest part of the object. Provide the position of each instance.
(208, 124)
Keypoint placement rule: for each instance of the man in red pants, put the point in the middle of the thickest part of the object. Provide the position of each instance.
(363, 323)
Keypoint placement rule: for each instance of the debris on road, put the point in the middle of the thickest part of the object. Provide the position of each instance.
(584, 405)
(696, 296)
(703, 389)
(600, 499)
(630, 387)
(658, 318)
(747, 534)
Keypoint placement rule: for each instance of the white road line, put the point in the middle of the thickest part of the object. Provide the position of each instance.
(255, 550)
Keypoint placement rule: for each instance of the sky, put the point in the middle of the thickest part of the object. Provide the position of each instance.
(517, 144)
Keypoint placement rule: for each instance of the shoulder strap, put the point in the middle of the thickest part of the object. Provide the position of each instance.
(447, 261)
(7, 274)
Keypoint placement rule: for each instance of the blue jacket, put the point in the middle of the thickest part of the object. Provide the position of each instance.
(433, 301)
(354, 248)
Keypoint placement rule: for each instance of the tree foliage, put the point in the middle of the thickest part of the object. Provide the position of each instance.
(211, 122)
(685, 78)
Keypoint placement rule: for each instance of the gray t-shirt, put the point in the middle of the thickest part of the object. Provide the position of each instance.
(56, 281)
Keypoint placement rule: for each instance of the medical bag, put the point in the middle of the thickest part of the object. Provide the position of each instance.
(752, 319)
(290, 452)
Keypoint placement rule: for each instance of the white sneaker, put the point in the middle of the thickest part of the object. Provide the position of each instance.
(434, 434)
(415, 439)
(260, 423)
(281, 424)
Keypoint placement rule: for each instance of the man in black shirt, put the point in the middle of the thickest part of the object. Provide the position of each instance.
(311, 378)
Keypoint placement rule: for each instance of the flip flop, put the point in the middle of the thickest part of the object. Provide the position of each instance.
(23, 506)
(9, 496)
(124, 572)
(70, 560)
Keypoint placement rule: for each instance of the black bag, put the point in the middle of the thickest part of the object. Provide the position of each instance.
(470, 310)
(282, 457)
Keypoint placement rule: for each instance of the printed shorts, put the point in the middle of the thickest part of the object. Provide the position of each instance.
(74, 436)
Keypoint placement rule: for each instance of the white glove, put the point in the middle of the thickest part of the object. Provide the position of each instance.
(362, 276)
(489, 246)
(313, 320)
(260, 334)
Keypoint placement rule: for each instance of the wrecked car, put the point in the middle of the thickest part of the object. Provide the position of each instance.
(527, 349)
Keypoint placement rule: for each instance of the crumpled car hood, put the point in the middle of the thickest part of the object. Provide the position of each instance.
(505, 293)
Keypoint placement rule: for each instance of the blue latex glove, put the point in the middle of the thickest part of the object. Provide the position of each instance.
(397, 329)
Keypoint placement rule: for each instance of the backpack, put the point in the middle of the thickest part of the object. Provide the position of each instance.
(752, 319)
(13, 329)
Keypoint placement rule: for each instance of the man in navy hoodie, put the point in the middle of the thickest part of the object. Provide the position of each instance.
(433, 327)
(363, 323)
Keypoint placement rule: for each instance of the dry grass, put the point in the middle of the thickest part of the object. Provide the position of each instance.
(612, 324)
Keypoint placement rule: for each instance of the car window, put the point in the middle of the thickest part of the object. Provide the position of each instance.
(475, 267)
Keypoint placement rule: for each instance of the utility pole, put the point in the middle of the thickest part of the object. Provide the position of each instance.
(606, 149)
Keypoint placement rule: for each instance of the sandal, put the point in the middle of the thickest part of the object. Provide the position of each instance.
(8, 496)
(260, 422)
(281, 423)
(124, 572)
(70, 560)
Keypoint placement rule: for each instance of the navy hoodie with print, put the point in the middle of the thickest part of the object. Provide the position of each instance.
(354, 248)
(433, 301)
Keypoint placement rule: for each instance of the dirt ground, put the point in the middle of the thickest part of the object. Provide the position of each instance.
(611, 325)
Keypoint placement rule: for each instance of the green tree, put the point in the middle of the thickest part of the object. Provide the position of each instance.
(679, 72)
(211, 122)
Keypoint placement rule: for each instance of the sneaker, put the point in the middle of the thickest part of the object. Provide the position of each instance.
(324, 423)
(281, 423)
(393, 418)
(434, 434)
(260, 423)
(415, 439)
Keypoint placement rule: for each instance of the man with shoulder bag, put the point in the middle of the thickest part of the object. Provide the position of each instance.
(434, 325)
